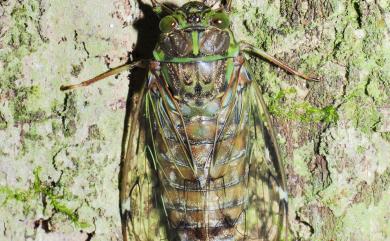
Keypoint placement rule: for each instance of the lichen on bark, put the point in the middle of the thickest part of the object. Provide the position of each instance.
(334, 134)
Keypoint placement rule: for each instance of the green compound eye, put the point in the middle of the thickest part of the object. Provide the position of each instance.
(220, 20)
(167, 24)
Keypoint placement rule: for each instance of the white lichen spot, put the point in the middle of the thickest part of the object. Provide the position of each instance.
(305, 7)
(385, 122)
(360, 33)
(387, 20)
(283, 195)
(302, 92)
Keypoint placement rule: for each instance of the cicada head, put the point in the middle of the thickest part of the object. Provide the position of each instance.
(194, 31)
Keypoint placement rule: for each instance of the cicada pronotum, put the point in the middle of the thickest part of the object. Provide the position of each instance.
(191, 168)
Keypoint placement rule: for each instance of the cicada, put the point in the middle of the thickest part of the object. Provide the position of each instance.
(192, 168)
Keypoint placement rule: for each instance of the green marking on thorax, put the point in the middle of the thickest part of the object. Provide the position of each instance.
(195, 43)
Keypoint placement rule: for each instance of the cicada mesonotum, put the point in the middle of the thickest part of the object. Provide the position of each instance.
(199, 120)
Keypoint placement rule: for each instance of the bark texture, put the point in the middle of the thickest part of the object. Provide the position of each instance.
(60, 152)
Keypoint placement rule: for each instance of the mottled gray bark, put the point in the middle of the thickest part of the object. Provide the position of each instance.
(60, 152)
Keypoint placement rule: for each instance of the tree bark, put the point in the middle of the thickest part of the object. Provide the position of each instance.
(60, 152)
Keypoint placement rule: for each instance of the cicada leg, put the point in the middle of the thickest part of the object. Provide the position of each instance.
(117, 70)
(253, 50)
(157, 5)
(228, 5)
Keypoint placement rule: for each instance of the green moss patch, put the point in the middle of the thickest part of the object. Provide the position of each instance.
(301, 111)
(41, 190)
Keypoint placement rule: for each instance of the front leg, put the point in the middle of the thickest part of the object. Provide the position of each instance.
(248, 48)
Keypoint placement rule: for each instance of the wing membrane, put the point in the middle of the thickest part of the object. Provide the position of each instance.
(266, 215)
(139, 215)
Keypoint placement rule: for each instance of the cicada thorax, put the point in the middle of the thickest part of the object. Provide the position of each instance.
(196, 83)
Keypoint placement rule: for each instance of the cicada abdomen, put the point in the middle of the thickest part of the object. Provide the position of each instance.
(202, 145)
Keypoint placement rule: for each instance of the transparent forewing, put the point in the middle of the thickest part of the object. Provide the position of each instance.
(140, 217)
(267, 206)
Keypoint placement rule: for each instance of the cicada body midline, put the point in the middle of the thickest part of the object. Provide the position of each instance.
(205, 119)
